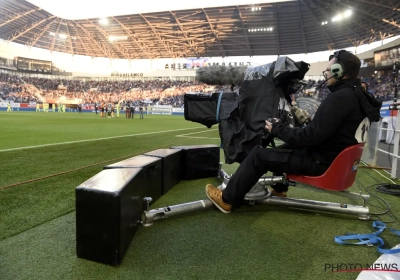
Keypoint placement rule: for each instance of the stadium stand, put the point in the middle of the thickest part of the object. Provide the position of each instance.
(19, 89)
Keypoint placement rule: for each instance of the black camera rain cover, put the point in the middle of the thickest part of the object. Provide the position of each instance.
(201, 108)
(242, 117)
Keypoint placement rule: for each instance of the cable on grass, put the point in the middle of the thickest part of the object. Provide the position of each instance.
(80, 168)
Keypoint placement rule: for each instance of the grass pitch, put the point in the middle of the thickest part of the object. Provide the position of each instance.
(44, 156)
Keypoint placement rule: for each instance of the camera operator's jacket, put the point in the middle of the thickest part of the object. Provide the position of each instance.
(343, 119)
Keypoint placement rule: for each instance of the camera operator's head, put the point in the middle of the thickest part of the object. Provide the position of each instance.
(342, 65)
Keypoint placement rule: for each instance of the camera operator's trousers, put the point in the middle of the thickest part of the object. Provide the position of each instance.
(277, 160)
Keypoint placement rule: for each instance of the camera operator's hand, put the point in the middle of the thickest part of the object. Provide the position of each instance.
(270, 123)
(268, 126)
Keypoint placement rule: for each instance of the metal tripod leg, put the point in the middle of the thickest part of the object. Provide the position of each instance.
(148, 217)
(362, 212)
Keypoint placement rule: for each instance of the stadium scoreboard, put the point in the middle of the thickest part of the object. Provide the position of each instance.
(386, 58)
(33, 65)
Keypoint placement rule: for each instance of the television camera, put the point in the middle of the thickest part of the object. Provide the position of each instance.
(265, 93)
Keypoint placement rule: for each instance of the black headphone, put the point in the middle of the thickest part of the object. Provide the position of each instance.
(337, 69)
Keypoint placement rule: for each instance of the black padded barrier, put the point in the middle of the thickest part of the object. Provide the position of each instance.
(108, 212)
(171, 172)
(199, 161)
(152, 168)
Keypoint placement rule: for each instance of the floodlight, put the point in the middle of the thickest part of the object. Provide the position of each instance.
(347, 13)
(103, 21)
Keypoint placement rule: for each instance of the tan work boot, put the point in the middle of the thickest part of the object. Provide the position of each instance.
(281, 194)
(215, 195)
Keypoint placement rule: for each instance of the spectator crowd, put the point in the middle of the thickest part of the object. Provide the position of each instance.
(31, 89)
(381, 87)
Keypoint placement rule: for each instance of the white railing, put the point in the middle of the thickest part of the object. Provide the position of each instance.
(395, 155)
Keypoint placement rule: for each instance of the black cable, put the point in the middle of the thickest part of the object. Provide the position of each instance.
(387, 211)
(387, 206)
(386, 222)
(392, 189)
(381, 199)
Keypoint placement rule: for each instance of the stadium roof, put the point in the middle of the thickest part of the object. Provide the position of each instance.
(302, 26)
(67, 8)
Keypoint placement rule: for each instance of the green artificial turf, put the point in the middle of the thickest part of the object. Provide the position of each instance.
(37, 219)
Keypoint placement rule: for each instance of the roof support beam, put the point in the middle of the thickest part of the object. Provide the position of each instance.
(22, 31)
(116, 44)
(277, 29)
(368, 14)
(219, 42)
(356, 43)
(302, 28)
(381, 35)
(106, 51)
(17, 16)
(165, 44)
(372, 22)
(376, 4)
(55, 36)
(37, 36)
(70, 39)
(384, 36)
(245, 32)
(397, 7)
(373, 35)
(184, 32)
(318, 23)
(87, 53)
(143, 47)
(394, 23)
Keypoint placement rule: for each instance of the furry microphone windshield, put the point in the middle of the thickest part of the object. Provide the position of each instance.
(221, 75)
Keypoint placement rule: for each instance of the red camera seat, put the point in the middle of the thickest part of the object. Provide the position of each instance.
(340, 175)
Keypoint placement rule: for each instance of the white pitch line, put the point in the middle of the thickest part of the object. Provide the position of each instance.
(96, 139)
(199, 137)
(384, 176)
(194, 137)
(381, 173)
(196, 132)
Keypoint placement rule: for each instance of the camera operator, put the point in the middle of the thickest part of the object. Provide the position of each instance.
(341, 121)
